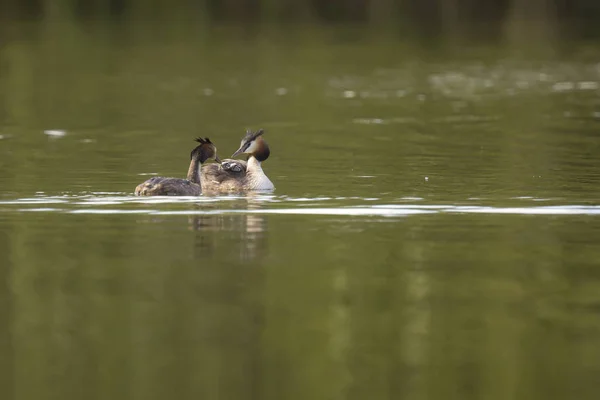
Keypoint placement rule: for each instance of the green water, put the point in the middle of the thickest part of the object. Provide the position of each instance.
(433, 233)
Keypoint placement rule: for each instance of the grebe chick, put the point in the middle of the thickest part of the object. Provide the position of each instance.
(238, 175)
(159, 186)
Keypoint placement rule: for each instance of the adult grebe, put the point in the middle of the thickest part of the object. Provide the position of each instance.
(238, 175)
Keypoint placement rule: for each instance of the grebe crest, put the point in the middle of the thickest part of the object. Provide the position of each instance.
(206, 150)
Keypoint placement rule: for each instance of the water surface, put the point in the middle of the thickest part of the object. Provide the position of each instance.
(433, 233)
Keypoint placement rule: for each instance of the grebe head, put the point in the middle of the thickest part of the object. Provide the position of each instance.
(254, 145)
(205, 151)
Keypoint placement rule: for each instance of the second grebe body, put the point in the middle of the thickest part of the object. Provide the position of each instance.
(160, 186)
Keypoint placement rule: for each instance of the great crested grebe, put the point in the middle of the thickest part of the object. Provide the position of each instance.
(159, 186)
(238, 175)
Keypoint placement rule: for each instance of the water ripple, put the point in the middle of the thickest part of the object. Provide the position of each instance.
(114, 203)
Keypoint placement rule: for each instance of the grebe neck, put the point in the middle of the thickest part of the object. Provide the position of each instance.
(254, 164)
(257, 180)
(193, 174)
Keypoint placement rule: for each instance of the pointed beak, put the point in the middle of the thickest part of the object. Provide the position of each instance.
(217, 159)
(237, 153)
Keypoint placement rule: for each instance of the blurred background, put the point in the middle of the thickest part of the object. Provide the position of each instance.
(433, 233)
(432, 18)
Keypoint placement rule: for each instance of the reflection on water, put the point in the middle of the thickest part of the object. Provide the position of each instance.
(175, 323)
(233, 296)
(246, 232)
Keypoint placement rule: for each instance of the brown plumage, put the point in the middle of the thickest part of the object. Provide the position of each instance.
(160, 186)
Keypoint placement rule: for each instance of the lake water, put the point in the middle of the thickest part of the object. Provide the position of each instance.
(434, 232)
